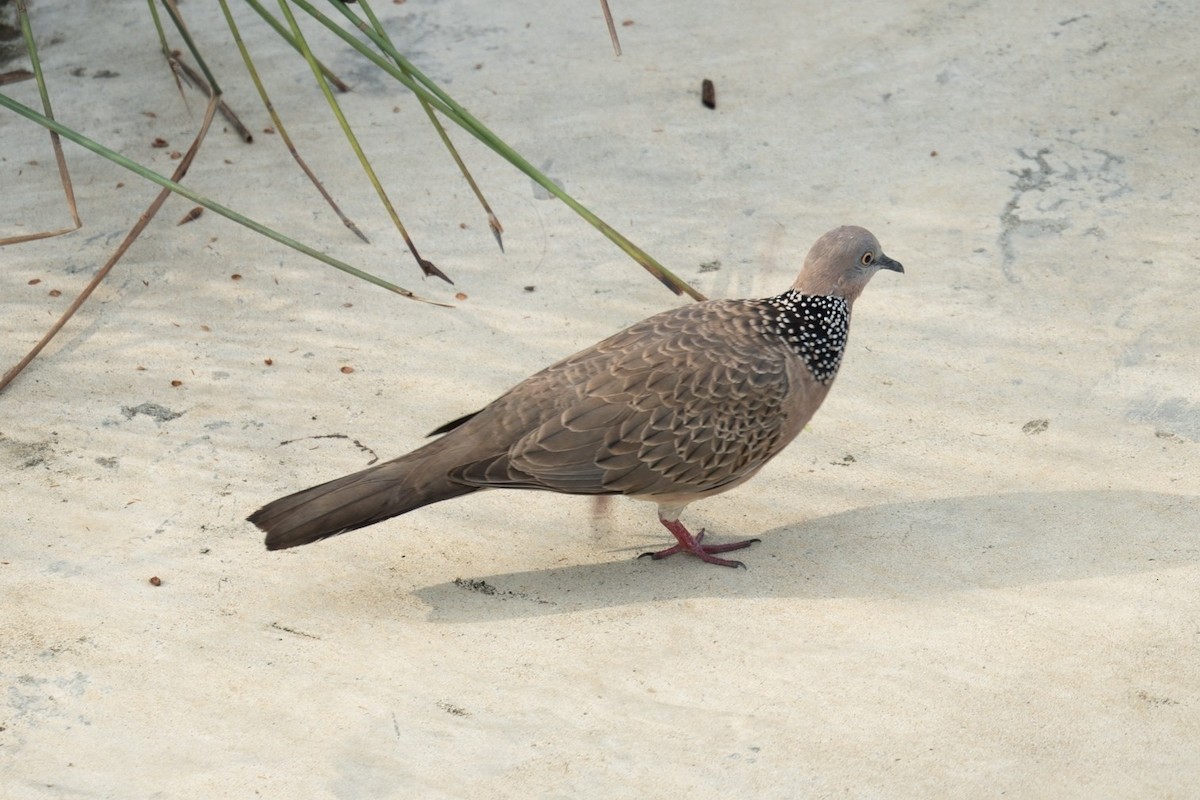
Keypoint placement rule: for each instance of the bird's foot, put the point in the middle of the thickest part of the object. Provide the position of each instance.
(692, 544)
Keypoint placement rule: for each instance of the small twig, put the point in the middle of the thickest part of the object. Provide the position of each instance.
(64, 174)
(15, 76)
(166, 51)
(213, 88)
(208, 83)
(612, 29)
(177, 62)
(134, 233)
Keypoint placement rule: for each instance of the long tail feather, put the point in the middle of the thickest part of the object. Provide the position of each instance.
(354, 501)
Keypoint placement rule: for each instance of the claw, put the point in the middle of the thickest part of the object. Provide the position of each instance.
(689, 544)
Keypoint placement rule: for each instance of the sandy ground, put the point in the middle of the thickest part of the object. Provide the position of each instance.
(980, 568)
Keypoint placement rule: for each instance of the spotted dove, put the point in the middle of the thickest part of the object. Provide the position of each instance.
(681, 406)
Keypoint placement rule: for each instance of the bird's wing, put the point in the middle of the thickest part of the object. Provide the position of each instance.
(685, 401)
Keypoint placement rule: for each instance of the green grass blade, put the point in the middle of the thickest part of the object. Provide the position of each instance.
(426, 266)
(280, 128)
(228, 213)
(422, 86)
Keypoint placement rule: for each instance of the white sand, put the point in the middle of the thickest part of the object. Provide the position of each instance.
(948, 601)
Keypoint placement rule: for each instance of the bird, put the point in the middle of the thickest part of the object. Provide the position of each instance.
(686, 404)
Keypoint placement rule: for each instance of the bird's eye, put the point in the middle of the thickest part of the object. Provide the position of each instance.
(867, 258)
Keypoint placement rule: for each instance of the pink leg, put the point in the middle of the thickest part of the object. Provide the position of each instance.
(690, 544)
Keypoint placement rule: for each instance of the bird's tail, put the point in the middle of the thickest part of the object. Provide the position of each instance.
(355, 501)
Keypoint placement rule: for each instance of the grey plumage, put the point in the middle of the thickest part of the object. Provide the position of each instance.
(680, 406)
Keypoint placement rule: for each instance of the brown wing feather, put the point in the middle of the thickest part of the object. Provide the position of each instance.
(685, 401)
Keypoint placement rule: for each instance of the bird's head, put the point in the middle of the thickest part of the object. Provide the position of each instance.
(841, 262)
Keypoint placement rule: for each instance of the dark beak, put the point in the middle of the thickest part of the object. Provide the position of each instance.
(889, 263)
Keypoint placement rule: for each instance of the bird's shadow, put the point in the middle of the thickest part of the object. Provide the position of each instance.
(897, 550)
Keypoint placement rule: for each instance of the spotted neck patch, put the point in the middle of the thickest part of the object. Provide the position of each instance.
(813, 326)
